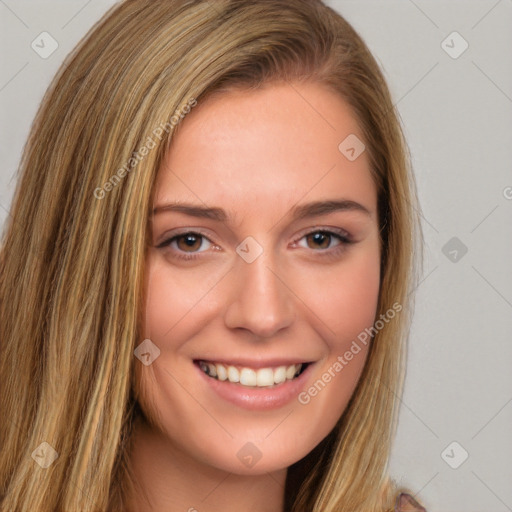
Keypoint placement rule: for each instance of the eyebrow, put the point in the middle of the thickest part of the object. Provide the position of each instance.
(312, 209)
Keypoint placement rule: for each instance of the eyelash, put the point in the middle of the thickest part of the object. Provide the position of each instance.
(333, 252)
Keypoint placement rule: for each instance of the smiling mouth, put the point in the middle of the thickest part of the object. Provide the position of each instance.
(252, 377)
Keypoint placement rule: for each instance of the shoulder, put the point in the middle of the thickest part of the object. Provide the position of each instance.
(406, 503)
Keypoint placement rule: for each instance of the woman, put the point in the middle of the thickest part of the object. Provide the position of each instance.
(177, 333)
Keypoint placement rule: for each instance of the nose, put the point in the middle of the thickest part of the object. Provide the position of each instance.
(260, 298)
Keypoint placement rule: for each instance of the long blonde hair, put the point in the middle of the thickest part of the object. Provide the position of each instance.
(72, 259)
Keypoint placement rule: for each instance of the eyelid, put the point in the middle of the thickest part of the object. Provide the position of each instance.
(175, 234)
(312, 229)
(343, 235)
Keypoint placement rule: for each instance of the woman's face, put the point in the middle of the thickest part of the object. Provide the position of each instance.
(265, 256)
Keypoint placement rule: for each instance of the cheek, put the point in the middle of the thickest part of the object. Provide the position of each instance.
(345, 298)
(354, 302)
(172, 298)
(347, 306)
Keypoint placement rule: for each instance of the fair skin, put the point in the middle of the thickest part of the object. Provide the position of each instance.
(257, 155)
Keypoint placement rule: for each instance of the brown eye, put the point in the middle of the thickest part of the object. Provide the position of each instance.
(319, 239)
(191, 242)
(186, 243)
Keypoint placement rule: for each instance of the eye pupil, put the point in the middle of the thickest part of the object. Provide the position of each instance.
(320, 237)
(190, 241)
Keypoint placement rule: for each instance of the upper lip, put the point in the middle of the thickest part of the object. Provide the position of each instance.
(254, 363)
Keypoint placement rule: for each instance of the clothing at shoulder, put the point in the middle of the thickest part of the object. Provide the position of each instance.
(406, 503)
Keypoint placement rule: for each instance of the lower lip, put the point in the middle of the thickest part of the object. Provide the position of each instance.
(258, 398)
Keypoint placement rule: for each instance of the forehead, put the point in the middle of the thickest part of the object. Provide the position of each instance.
(266, 149)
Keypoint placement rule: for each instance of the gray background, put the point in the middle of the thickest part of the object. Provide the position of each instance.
(457, 115)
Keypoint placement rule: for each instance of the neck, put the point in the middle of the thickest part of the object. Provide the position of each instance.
(168, 479)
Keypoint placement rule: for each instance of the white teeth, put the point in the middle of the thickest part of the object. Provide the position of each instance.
(233, 374)
(212, 370)
(280, 374)
(262, 377)
(290, 371)
(222, 373)
(265, 377)
(248, 377)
